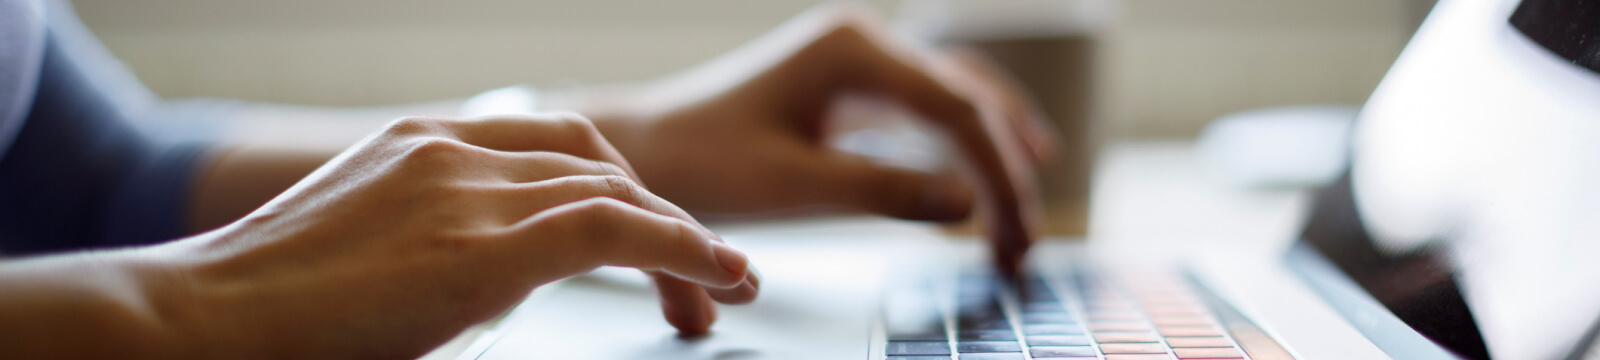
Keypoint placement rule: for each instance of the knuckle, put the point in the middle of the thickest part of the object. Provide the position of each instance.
(610, 169)
(598, 218)
(620, 187)
(580, 128)
(684, 233)
(436, 145)
(436, 150)
(597, 213)
(414, 125)
(574, 123)
(847, 22)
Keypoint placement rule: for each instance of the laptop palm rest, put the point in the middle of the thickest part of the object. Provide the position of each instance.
(815, 303)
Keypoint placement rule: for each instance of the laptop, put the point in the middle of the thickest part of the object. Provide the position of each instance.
(1466, 227)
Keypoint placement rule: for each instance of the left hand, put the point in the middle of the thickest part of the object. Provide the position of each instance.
(745, 132)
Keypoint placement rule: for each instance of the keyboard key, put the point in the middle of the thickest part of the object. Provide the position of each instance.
(995, 324)
(1169, 300)
(992, 356)
(1175, 310)
(1119, 326)
(912, 309)
(1052, 329)
(918, 357)
(987, 347)
(1199, 342)
(1038, 295)
(1208, 353)
(1058, 340)
(917, 348)
(1203, 330)
(1140, 357)
(1049, 307)
(1180, 320)
(979, 311)
(1111, 305)
(1096, 295)
(987, 335)
(1126, 337)
(976, 289)
(1147, 348)
(986, 299)
(982, 322)
(926, 336)
(1060, 351)
(1047, 318)
(1125, 315)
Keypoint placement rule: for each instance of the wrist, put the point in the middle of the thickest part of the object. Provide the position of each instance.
(94, 304)
(167, 302)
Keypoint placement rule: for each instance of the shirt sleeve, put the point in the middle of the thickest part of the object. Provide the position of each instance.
(79, 175)
(21, 46)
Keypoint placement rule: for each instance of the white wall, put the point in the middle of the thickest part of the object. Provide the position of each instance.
(355, 52)
(1168, 65)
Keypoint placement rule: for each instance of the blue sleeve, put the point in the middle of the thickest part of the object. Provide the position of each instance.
(80, 176)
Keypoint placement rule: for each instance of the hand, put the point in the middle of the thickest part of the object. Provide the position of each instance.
(745, 132)
(431, 226)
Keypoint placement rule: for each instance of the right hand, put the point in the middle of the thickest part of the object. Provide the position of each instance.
(429, 227)
(747, 132)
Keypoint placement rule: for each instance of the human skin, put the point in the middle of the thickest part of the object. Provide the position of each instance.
(391, 248)
(744, 134)
(432, 225)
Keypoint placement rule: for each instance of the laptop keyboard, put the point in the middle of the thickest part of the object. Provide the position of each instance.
(1124, 316)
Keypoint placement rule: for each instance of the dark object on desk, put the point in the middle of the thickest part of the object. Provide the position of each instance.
(1569, 28)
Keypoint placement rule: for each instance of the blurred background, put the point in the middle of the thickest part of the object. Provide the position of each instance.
(1108, 70)
(1166, 66)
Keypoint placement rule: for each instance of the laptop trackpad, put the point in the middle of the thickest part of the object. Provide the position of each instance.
(815, 304)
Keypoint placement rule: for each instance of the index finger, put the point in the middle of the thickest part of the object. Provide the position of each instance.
(859, 54)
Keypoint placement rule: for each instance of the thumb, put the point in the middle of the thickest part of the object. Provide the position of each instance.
(855, 181)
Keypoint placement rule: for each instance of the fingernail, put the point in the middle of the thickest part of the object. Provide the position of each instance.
(731, 260)
(755, 277)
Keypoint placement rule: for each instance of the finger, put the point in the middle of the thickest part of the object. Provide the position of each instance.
(1009, 238)
(880, 65)
(998, 162)
(609, 232)
(688, 306)
(1028, 122)
(873, 61)
(531, 198)
(854, 181)
(527, 167)
(562, 132)
(744, 293)
(524, 199)
(685, 305)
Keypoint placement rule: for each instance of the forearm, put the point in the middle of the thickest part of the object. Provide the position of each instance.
(100, 304)
(239, 179)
